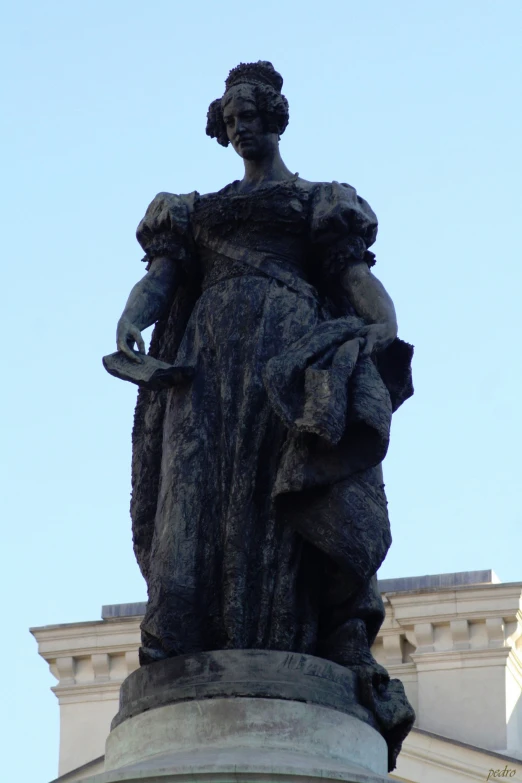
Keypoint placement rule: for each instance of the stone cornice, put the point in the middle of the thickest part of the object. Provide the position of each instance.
(90, 660)
(403, 671)
(458, 626)
(461, 659)
(56, 640)
(89, 691)
(442, 605)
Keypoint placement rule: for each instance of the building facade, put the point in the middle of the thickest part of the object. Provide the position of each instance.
(455, 641)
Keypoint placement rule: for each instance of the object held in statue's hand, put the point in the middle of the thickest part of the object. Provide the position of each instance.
(148, 373)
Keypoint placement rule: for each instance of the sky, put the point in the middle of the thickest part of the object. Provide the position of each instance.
(416, 104)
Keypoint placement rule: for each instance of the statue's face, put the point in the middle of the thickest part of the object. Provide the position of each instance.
(244, 125)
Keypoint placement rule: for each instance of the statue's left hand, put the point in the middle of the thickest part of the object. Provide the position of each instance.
(372, 303)
(377, 337)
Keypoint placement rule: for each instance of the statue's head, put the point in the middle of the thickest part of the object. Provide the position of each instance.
(252, 114)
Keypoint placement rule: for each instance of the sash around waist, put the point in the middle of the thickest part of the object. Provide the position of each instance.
(250, 261)
(222, 268)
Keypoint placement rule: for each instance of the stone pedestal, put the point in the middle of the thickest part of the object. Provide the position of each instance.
(243, 715)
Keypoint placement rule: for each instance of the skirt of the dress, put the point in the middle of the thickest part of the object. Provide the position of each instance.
(226, 570)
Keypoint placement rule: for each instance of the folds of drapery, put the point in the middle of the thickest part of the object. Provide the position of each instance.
(337, 406)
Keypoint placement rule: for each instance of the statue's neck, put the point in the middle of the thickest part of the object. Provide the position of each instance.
(268, 169)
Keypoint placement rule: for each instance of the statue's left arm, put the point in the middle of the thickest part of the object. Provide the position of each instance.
(372, 303)
(343, 228)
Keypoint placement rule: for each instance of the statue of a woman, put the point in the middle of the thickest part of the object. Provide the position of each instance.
(259, 513)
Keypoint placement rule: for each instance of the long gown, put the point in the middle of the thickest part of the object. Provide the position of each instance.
(259, 513)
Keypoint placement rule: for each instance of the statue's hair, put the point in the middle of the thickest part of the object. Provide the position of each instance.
(272, 106)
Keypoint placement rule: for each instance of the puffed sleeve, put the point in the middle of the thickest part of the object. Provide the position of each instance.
(343, 227)
(166, 228)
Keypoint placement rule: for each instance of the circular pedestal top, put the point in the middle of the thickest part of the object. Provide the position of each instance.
(268, 674)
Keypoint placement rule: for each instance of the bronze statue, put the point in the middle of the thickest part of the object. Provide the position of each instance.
(258, 507)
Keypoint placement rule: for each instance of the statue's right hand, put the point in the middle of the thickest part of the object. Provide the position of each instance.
(126, 336)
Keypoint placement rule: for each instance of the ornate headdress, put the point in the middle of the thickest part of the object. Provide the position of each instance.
(262, 72)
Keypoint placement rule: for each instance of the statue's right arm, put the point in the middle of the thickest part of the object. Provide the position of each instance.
(147, 302)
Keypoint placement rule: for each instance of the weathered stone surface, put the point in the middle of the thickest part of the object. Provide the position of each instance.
(234, 673)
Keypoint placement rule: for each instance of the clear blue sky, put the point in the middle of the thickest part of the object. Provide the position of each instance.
(416, 104)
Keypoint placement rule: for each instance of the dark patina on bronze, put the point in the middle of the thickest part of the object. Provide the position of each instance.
(258, 507)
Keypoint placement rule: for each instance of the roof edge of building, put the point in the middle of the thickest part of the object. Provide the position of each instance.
(82, 768)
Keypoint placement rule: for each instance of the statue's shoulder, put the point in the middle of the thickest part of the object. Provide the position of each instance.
(340, 187)
(167, 214)
(331, 191)
(339, 212)
(307, 185)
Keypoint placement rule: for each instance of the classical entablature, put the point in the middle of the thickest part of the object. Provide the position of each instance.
(453, 639)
